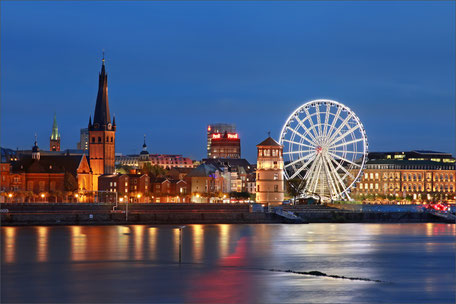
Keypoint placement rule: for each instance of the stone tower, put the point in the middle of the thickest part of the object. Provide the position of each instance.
(54, 141)
(269, 174)
(102, 133)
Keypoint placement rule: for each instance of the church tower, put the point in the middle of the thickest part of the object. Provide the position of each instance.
(269, 174)
(54, 141)
(102, 133)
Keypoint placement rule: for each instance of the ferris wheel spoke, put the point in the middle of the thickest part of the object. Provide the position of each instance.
(300, 159)
(333, 124)
(344, 159)
(312, 125)
(345, 134)
(348, 143)
(343, 124)
(302, 168)
(297, 143)
(336, 174)
(308, 131)
(300, 135)
(318, 119)
(309, 176)
(317, 176)
(346, 151)
(328, 110)
(329, 179)
(342, 167)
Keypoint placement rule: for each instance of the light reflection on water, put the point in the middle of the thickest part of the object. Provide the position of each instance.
(228, 263)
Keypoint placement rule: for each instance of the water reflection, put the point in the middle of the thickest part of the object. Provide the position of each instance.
(226, 263)
(42, 244)
(198, 242)
(9, 244)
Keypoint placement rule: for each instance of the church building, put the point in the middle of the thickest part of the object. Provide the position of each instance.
(102, 133)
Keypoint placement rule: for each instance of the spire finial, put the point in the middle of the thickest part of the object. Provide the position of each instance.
(103, 58)
(269, 133)
(36, 139)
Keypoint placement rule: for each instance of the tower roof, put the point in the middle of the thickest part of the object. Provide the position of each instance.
(102, 116)
(55, 130)
(269, 142)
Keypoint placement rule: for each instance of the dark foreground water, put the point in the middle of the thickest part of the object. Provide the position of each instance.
(229, 264)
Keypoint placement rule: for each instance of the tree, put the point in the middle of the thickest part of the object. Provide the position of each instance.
(295, 187)
(124, 169)
(69, 182)
(153, 171)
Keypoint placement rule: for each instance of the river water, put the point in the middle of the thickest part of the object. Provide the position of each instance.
(229, 263)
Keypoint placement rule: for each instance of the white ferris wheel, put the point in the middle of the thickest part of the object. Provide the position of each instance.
(325, 148)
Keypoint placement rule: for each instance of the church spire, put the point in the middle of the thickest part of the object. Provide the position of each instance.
(55, 129)
(102, 117)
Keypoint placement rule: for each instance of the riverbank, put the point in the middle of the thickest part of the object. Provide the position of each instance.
(178, 214)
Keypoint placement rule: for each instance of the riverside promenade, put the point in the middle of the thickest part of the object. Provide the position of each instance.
(14, 214)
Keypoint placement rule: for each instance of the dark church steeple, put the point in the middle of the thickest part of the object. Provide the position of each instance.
(102, 117)
(102, 134)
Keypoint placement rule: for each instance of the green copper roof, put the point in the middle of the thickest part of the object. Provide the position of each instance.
(55, 129)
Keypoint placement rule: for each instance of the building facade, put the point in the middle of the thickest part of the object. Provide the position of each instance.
(83, 143)
(225, 145)
(415, 175)
(102, 133)
(269, 173)
(214, 131)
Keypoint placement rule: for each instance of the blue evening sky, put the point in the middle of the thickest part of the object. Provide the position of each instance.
(174, 67)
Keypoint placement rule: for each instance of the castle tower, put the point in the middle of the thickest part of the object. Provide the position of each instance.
(54, 141)
(269, 174)
(102, 134)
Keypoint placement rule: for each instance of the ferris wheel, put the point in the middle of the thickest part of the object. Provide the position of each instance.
(325, 148)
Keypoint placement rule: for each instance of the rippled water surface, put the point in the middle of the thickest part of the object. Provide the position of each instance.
(229, 263)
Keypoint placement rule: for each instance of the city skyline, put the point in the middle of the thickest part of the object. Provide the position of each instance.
(166, 88)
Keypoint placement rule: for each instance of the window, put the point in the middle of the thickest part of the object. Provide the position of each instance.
(52, 186)
(276, 188)
(361, 186)
(376, 186)
(30, 185)
(371, 175)
(41, 186)
(93, 139)
(258, 188)
(99, 139)
(376, 175)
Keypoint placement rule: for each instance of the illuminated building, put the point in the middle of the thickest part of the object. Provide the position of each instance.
(417, 175)
(46, 172)
(206, 182)
(227, 140)
(132, 187)
(54, 140)
(102, 134)
(269, 173)
(225, 145)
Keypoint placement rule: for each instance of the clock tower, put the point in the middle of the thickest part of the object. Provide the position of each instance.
(102, 133)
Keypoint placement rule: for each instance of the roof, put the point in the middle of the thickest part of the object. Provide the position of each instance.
(407, 162)
(48, 164)
(269, 142)
(203, 170)
(234, 164)
(102, 115)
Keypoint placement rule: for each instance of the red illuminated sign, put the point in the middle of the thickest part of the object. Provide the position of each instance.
(228, 135)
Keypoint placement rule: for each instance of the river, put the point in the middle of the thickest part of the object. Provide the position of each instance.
(399, 263)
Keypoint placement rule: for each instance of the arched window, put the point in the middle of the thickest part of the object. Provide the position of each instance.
(99, 139)
(93, 139)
